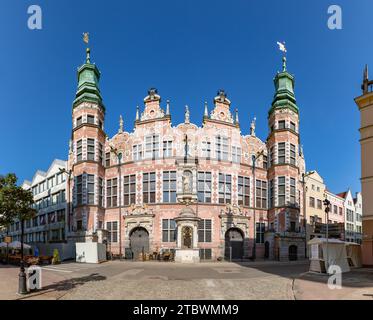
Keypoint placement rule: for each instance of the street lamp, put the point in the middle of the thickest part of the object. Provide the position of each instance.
(119, 157)
(22, 286)
(69, 206)
(327, 209)
(305, 175)
(254, 159)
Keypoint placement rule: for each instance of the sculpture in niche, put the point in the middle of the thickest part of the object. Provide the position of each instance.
(187, 182)
(187, 234)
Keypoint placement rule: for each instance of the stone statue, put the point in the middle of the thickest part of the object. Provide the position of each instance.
(252, 127)
(187, 182)
(120, 124)
(187, 115)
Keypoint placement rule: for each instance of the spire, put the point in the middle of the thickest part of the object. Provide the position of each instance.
(137, 113)
(236, 120)
(120, 124)
(252, 127)
(167, 107)
(187, 115)
(88, 81)
(284, 96)
(206, 113)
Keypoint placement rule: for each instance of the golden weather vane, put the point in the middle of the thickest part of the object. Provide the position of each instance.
(86, 41)
(86, 37)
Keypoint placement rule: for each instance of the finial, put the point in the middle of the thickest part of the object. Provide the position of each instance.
(137, 113)
(236, 117)
(167, 107)
(206, 113)
(283, 64)
(366, 75)
(187, 115)
(88, 51)
(252, 127)
(120, 124)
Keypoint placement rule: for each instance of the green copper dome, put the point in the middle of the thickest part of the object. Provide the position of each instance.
(88, 84)
(284, 95)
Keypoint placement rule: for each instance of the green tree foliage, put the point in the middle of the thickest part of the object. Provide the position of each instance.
(15, 202)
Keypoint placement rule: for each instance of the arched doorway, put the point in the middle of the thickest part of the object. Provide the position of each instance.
(139, 242)
(266, 250)
(293, 253)
(234, 244)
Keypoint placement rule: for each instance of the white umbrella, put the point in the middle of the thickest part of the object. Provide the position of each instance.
(17, 245)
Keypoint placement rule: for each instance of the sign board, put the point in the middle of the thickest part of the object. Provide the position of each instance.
(8, 239)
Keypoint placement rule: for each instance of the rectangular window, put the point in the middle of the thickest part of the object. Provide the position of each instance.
(152, 147)
(244, 191)
(292, 191)
(292, 154)
(335, 209)
(204, 230)
(312, 202)
(148, 186)
(168, 230)
(90, 119)
(271, 194)
(79, 189)
(129, 189)
(221, 148)
(236, 154)
(100, 192)
(204, 187)
(167, 149)
(292, 126)
(169, 186)
(100, 153)
(107, 159)
(90, 149)
(281, 152)
(281, 191)
(79, 151)
(281, 124)
(340, 211)
(225, 188)
(206, 149)
(260, 229)
(112, 228)
(265, 162)
(205, 253)
(261, 194)
(319, 204)
(51, 182)
(137, 152)
(78, 121)
(111, 192)
(90, 189)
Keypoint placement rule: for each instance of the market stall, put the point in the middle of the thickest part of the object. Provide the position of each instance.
(327, 253)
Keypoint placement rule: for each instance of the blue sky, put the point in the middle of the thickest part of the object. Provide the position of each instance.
(187, 50)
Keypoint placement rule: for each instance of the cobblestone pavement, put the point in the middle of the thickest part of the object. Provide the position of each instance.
(153, 280)
(163, 280)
